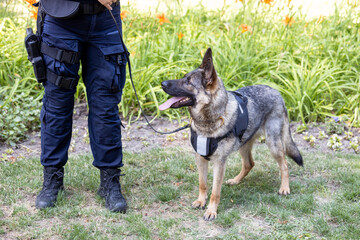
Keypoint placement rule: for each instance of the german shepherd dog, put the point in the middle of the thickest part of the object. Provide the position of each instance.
(214, 112)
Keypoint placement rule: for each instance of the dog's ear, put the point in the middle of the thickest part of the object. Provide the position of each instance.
(208, 66)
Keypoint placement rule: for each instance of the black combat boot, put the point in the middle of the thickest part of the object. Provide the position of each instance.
(110, 189)
(53, 183)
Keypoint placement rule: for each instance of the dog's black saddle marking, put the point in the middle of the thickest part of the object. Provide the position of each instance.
(207, 146)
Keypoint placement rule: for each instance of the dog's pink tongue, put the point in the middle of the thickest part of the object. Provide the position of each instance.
(169, 102)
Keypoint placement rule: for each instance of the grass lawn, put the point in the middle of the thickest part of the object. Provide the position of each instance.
(160, 186)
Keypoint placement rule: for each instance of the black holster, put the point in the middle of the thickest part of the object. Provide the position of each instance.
(32, 44)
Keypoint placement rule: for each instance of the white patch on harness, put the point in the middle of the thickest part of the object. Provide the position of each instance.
(241, 110)
(201, 145)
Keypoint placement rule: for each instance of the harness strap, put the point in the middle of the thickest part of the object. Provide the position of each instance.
(61, 81)
(60, 54)
(242, 120)
(207, 146)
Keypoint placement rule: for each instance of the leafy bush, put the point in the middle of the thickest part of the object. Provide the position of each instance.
(312, 62)
(334, 126)
(18, 119)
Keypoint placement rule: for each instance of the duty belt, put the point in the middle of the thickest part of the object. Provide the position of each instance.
(93, 8)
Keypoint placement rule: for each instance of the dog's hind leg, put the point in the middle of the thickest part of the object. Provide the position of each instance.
(218, 172)
(247, 162)
(284, 187)
(202, 165)
(275, 143)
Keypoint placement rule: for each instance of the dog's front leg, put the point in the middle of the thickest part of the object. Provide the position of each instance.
(218, 172)
(202, 165)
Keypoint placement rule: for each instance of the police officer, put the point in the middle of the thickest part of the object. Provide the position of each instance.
(73, 32)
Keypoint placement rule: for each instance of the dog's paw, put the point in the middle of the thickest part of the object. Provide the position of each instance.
(284, 191)
(198, 204)
(232, 182)
(209, 215)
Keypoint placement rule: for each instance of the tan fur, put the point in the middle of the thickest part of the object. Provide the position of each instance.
(225, 148)
(214, 113)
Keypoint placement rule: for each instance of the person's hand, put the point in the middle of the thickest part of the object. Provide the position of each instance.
(107, 3)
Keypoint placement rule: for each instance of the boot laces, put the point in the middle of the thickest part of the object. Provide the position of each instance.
(113, 184)
(52, 183)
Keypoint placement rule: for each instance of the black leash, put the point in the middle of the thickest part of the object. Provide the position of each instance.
(132, 83)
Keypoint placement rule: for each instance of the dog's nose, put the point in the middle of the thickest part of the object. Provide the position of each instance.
(165, 84)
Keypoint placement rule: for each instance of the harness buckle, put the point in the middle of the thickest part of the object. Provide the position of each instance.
(66, 56)
(57, 80)
(61, 81)
(59, 54)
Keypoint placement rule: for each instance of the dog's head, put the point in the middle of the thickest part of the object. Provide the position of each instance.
(194, 88)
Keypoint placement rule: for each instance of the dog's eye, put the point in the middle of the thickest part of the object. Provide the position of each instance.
(188, 80)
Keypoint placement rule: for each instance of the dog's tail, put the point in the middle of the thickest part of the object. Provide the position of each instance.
(290, 147)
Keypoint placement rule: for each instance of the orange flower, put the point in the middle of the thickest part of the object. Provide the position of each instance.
(288, 21)
(320, 19)
(32, 9)
(240, 1)
(245, 28)
(34, 12)
(267, 1)
(30, 1)
(123, 14)
(162, 19)
(180, 35)
(289, 1)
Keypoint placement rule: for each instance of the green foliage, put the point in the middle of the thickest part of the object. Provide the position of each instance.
(314, 63)
(355, 144)
(335, 142)
(311, 139)
(19, 117)
(333, 127)
(20, 94)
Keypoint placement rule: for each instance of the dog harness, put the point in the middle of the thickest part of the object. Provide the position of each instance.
(207, 146)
